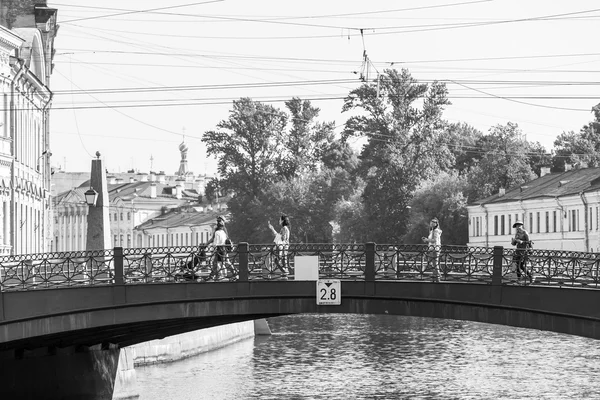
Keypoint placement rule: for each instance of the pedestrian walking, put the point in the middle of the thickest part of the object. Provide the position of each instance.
(435, 242)
(282, 242)
(523, 242)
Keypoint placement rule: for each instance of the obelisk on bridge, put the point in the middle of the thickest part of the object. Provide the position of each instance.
(98, 225)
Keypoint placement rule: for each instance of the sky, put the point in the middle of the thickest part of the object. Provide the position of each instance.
(134, 79)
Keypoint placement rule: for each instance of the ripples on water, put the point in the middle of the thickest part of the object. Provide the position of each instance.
(338, 356)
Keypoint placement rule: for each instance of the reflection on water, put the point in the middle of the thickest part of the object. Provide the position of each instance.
(329, 356)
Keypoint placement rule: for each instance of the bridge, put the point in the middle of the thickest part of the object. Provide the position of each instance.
(93, 302)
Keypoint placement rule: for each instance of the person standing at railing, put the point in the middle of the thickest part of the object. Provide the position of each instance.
(219, 241)
(282, 241)
(435, 241)
(523, 242)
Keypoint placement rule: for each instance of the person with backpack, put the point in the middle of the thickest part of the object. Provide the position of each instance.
(435, 242)
(221, 242)
(523, 242)
(282, 243)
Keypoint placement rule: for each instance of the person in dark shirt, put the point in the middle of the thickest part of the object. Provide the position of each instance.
(523, 242)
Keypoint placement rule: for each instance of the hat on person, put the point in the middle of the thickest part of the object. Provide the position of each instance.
(517, 222)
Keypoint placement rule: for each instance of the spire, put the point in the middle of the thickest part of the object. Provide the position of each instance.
(183, 167)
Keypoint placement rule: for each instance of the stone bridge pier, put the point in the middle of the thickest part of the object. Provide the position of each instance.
(71, 373)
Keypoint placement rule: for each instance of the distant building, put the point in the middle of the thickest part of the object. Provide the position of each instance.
(63, 181)
(560, 211)
(180, 227)
(131, 204)
(27, 31)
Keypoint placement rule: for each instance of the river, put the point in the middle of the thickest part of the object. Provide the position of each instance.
(340, 356)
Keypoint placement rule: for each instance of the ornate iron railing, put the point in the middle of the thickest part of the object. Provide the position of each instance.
(267, 262)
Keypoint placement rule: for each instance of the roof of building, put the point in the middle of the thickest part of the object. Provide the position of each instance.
(129, 191)
(180, 217)
(553, 185)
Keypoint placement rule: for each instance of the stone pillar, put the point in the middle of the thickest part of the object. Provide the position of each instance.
(98, 226)
(69, 373)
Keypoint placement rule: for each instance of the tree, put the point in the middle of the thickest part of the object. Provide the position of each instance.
(307, 140)
(462, 142)
(265, 168)
(249, 146)
(402, 121)
(579, 149)
(505, 162)
(441, 197)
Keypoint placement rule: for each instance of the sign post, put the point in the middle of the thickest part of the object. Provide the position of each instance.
(329, 292)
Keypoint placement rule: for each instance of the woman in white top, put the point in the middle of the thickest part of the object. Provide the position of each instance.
(434, 239)
(219, 241)
(282, 241)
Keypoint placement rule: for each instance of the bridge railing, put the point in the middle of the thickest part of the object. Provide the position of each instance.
(268, 262)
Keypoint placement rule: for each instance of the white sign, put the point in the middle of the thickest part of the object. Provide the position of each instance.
(329, 292)
(306, 268)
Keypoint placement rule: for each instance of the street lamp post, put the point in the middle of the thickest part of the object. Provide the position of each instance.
(98, 226)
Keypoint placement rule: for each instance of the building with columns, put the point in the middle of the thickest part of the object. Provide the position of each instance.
(27, 31)
(561, 211)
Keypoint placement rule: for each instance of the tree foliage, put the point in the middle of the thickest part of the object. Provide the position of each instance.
(401, 119)
(440, 197)
(271, 162)
(504, 163)
(249, 146)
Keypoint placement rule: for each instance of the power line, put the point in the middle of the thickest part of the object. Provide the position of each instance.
(129, 12)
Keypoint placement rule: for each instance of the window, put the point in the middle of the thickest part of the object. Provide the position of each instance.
(128, 216)
(547, 221)
(591, 219)
(121, 216)
(502, 225)
(121, 240)
(129, 240)
(554, 220)
(496, 225)
(530, 221)
(573, 221)
(538, 222)
(115, 241)
(509, 223)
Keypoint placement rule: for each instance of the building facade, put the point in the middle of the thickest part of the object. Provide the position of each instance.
(178, 228)
(132, 204)
(560, 211)
(27, 32)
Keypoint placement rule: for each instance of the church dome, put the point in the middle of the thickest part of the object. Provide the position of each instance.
(183, 147)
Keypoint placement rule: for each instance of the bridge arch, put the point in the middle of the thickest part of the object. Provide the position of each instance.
(131, 314)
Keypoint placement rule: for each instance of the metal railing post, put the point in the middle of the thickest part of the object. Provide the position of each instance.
(243, 261)
(370, 262)
(118, 263)
(497, 271)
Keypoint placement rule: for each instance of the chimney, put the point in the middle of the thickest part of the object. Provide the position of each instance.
(567, 167)
(131, 179)
(501, 192)
(153, 190)
(544, 171)
(161, 177)
(152, 177)
(112, 180)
